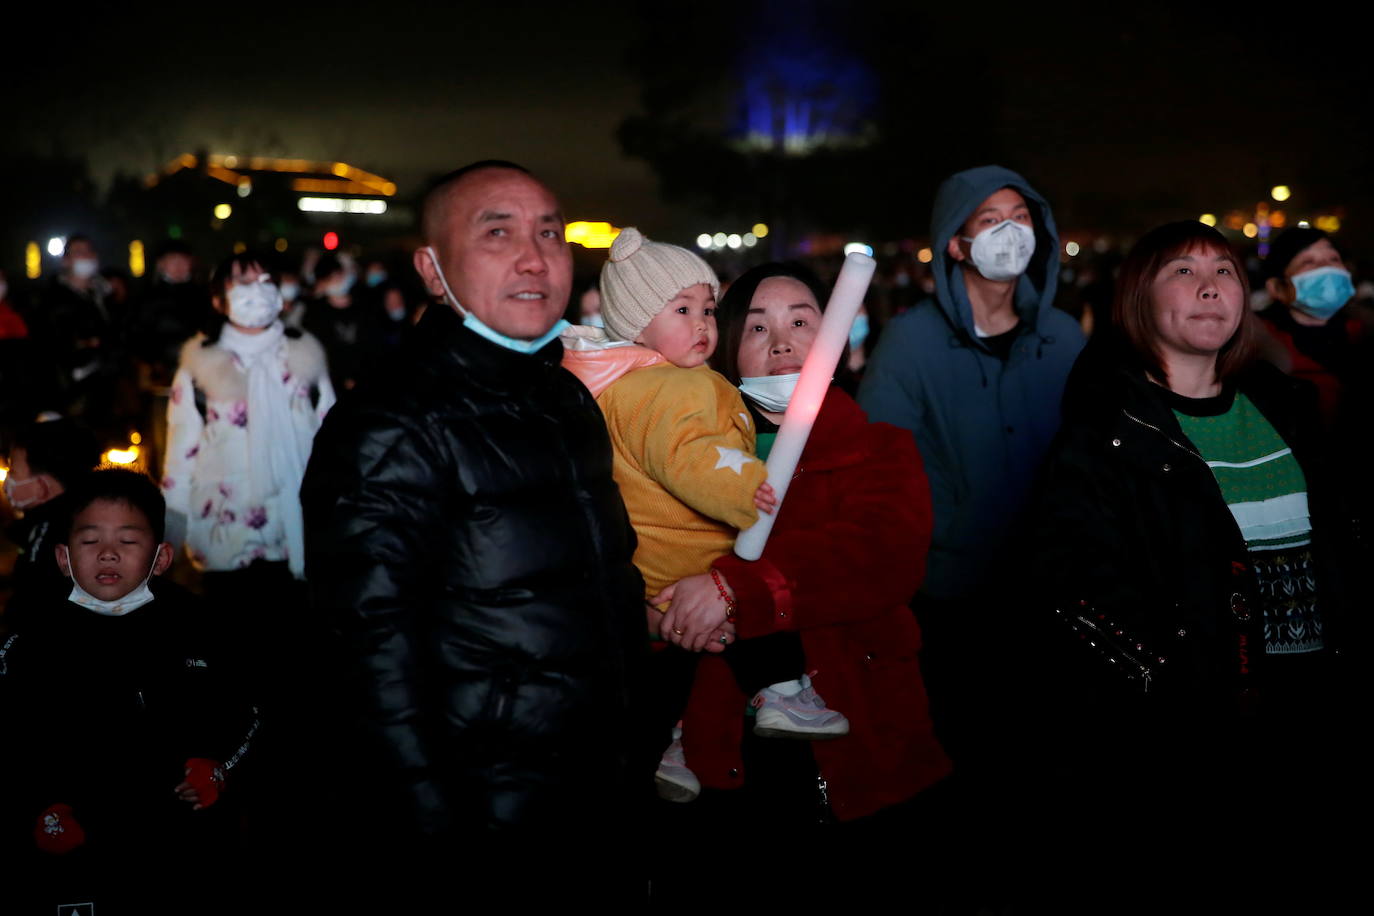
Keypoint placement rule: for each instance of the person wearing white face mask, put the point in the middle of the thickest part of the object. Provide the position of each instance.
(976, 372)
(118, 710)
(75, 333)
(245, 404)
(843, 560)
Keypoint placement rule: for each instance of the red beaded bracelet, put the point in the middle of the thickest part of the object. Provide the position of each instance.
(724, 596)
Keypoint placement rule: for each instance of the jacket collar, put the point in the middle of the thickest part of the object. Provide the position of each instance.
(463, 352)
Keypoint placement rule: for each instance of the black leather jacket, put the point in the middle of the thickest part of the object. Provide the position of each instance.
(1138, 554)
(465, 537)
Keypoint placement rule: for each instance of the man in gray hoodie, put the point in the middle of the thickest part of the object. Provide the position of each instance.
(976, 373)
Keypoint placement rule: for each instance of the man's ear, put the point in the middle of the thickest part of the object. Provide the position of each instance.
(1281, 289)
(164, 558)
(954, 249)
(63, 559)
(424, 266)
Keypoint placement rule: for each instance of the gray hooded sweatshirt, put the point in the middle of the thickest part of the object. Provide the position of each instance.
(983, 424)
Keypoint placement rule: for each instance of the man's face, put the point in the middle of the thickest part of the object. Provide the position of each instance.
(502, 249)
(1003, 205)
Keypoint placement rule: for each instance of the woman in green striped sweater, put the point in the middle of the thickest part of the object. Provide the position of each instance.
(1187, 541)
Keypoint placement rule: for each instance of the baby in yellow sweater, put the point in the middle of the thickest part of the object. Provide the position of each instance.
(683, 445)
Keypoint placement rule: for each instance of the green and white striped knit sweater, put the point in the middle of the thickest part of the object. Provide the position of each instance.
(1264, 487)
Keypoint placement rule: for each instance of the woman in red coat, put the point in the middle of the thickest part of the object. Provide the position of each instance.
(844, 558)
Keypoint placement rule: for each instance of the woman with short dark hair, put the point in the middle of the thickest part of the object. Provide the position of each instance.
(1186, 540)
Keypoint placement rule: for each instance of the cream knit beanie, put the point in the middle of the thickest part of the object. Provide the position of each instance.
(639, 279)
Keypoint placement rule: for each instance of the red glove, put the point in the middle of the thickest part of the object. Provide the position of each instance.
(57, 831)
(206, 777)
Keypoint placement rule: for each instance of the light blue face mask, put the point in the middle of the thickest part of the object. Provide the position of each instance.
(1322, 291)
(472, 322)
(858, 332)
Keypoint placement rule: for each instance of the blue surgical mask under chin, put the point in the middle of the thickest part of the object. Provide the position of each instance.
(1322, 291)
(473, 323)
(858, 331)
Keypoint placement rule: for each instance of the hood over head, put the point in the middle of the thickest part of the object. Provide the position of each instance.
(954, 203)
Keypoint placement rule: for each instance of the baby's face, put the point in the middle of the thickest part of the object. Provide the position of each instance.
(110, 550)
(685, 330)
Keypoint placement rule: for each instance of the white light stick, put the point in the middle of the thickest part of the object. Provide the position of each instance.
(816, 374)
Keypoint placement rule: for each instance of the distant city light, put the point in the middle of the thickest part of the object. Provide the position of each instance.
(222, 211)
(1328, 223)
(245, 187)
(331, 241)
(231, 162)
(122, 456)
(760, 230)
(340, 205)
(1208, 219)
(136, 262)
(280, 245)
(925, 255)
(1304, 224)
(858, 247)
(750, 240)
(1250, 230)
(1277, 219)
(56, 245)
(240, 248)
(734, 240)
(704, 241)
(1280, 192)
(33, 261)
(1071, 249)
(4, 473)
(589, 235)
(719, 239)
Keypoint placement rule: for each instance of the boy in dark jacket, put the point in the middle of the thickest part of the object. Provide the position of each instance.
(121, 724)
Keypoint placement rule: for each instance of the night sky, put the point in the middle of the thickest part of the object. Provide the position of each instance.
(1122, 119)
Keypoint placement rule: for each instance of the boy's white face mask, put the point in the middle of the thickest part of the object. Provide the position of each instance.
(119, 607)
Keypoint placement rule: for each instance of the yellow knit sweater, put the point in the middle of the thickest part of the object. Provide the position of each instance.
(684, 460)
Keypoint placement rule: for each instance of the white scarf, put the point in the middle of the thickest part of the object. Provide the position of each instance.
(278, 447)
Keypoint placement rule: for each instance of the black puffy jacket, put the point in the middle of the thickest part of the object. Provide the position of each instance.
(466, 538)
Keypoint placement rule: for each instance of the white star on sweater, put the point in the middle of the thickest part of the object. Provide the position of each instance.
(732, 458)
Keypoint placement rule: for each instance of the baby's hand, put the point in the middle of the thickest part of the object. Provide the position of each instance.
(765, 500)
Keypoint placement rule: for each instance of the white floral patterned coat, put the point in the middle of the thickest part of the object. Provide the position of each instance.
(207, 469)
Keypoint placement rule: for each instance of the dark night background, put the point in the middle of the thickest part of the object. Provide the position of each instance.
(640, 114)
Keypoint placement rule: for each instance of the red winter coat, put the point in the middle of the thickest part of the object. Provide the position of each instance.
(846, 554)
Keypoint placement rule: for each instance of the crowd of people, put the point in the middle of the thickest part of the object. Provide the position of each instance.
(464, 605)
